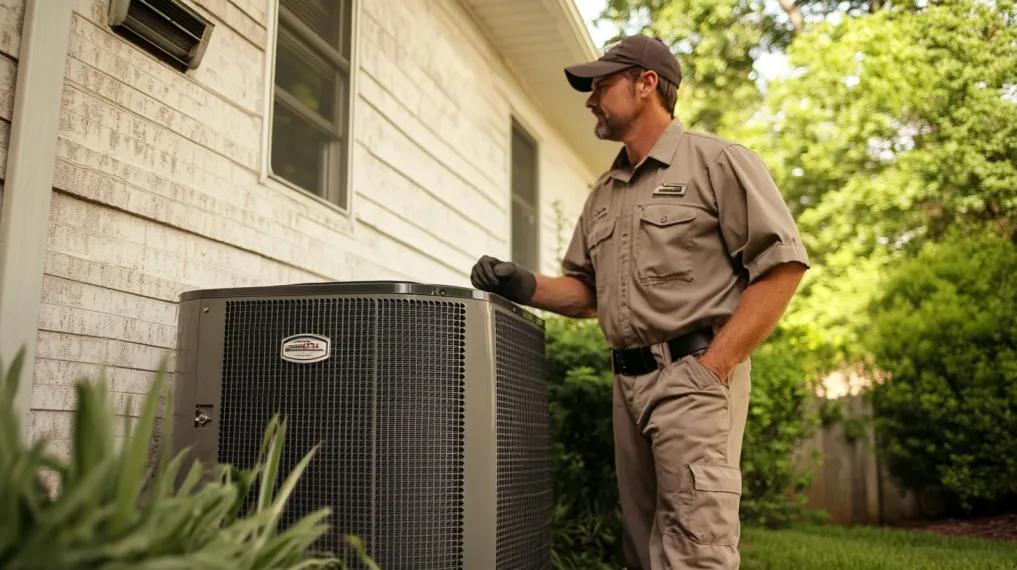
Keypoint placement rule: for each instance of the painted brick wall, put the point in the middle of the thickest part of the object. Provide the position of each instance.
(159, 187)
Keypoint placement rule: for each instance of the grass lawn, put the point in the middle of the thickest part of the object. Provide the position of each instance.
(869, 548)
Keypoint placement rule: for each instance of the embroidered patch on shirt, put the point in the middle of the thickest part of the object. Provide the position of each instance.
(599, 213)
(676, 189)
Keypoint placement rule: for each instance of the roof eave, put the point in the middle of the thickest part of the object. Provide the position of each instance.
(511, 26)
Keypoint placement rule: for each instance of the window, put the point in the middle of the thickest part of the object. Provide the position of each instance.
(525, 221)
(310, 101)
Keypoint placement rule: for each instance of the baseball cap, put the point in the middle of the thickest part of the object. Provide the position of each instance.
(631, 51)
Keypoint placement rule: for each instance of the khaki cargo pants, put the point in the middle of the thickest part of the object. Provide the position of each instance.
(678, 440)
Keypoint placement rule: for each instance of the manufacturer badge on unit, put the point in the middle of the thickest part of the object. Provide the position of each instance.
(305, 348)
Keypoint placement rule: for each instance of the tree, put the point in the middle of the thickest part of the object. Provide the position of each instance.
(894, 127)
(718, 43)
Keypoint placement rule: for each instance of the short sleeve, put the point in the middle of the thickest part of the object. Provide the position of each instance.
(576, 262)
(755, 223)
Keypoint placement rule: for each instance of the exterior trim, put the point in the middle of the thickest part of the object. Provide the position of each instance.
(28, 189)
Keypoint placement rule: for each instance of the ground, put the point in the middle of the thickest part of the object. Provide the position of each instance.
(1002, 527)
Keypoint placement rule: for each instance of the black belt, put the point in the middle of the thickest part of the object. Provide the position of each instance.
(637, 361)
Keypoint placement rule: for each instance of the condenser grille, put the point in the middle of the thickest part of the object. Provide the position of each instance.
(420, 427)
(524, 446)
(326, 403)
(386, 409)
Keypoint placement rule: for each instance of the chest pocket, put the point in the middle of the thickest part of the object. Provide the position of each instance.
(664, 243)
(598, 243)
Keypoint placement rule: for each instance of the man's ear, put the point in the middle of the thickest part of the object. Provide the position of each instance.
(648, 82)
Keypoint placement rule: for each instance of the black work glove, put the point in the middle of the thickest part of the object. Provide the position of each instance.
(510, 280)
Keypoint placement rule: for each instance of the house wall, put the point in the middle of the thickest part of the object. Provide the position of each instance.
(160, 188)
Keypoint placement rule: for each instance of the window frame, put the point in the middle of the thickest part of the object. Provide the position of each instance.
(517, 126)
(339, 195)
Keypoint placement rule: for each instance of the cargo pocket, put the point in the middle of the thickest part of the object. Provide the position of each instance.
(710, 515)
(664, 243)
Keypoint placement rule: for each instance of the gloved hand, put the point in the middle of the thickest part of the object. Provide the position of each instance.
(510, 280)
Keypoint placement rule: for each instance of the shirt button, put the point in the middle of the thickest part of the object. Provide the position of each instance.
(663, 219)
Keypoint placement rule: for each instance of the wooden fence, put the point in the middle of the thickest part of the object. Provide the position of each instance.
(849, 482)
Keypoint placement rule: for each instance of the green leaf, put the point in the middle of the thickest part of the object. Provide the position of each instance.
(135, 457)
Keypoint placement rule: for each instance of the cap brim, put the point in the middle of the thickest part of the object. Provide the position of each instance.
(581, 75)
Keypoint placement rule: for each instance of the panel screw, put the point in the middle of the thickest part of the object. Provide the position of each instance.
(204, 309)
(202, 418)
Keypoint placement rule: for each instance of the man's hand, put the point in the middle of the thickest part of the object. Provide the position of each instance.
(715, 368)
(510, 280)
(758, 311)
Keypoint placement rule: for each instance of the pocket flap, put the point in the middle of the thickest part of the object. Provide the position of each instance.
(601, 231)
(722, 478)
(667, 214)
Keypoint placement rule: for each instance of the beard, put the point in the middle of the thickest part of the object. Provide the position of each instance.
(611, 127)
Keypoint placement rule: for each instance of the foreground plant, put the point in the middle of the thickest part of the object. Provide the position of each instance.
(111, 511)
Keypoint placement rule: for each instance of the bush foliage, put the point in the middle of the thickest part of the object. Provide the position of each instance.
(111, 511)
(586, 528)
(774, 474)
(946, 333)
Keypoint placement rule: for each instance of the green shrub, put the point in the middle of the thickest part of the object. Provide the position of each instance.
(586, 525)
(107, 513)
(945, 331)
(586, 529)
(774, 476)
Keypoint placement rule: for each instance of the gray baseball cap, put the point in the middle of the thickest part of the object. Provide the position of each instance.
(631, 51)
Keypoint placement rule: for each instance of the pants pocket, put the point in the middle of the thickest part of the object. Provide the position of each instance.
(710, 513)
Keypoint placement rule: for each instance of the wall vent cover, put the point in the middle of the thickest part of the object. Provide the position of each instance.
(168, 29)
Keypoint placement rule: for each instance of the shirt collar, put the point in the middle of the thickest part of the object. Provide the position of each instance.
(663, 151)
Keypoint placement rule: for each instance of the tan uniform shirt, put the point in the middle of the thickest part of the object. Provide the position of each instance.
(671, 244)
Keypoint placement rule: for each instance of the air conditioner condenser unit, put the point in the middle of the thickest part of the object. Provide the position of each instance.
(429, 404)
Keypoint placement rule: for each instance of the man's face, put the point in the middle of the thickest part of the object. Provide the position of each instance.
(614, 103)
